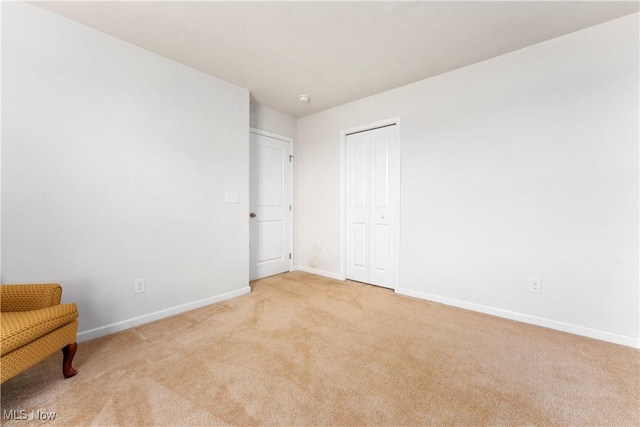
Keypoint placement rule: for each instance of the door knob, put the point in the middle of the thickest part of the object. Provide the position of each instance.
(252, 215)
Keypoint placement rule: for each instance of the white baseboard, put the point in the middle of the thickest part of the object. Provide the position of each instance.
(318, 272)
(525, 318)
(146, 318)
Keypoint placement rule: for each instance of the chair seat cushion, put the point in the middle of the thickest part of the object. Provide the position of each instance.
(21, 327)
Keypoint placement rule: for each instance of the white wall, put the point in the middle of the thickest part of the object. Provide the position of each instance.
(273, 121)
(114, 166)
(0, 145)
(525, 165)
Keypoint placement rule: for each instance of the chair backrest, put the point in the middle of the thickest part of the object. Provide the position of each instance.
(26, 297)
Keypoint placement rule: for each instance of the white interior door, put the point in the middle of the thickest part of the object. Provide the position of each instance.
(270, 205)
(371, 201)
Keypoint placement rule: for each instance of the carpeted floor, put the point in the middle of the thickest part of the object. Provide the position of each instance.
(306, 350)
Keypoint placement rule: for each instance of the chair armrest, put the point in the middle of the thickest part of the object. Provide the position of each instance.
(29, 297)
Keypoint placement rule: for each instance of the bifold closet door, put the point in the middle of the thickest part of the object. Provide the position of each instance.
(371, 199)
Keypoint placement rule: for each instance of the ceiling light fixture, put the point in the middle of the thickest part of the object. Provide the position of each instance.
(303, 98)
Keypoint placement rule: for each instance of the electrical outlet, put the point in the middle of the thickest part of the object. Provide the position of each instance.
(138, 286)
(535, 285)
(323, 252)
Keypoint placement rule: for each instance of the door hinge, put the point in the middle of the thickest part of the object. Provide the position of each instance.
(290, 158)
(289, 255)
(289, 208)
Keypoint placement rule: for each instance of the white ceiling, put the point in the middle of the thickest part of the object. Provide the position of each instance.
(335, 52)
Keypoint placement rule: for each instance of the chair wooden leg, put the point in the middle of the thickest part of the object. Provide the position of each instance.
(69, 352)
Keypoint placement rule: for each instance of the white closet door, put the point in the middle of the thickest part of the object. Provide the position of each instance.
(358, 195)
(371, 199)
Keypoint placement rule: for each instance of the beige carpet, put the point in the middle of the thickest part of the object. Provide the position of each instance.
(306, 350)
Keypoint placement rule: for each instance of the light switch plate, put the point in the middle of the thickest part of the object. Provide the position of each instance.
(231, 197)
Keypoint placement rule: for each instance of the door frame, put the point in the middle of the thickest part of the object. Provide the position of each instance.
(291, 159)
(343, 194)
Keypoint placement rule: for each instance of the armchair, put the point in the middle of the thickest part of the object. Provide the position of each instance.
(35, 325)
